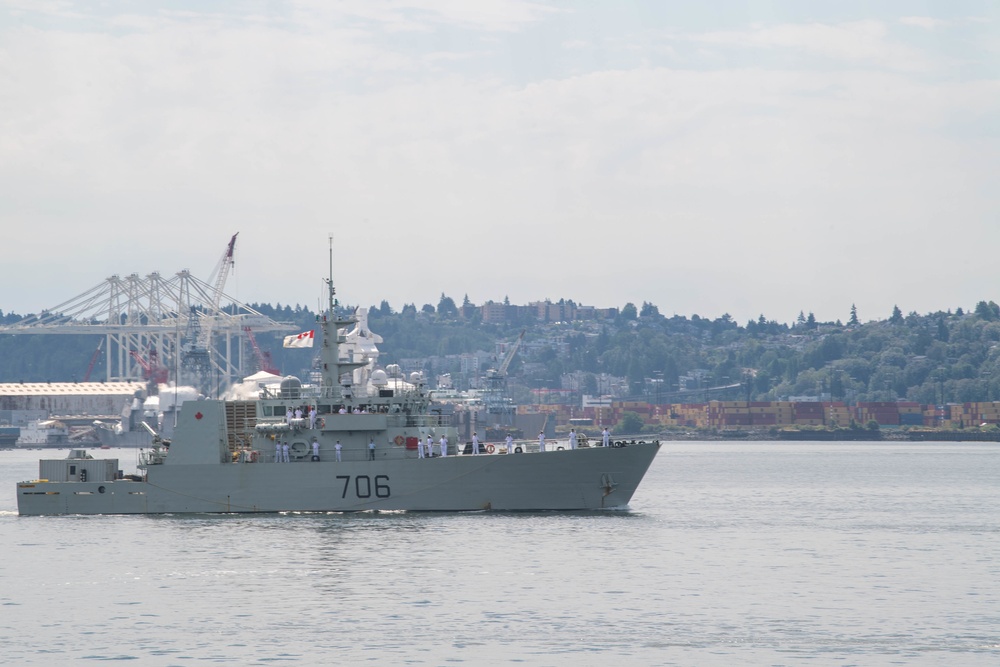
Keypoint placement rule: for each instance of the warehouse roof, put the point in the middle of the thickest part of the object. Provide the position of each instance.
(70, 388)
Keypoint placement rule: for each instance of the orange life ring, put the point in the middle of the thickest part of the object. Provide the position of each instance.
(398, 440)
(320, 423)
(490, 448)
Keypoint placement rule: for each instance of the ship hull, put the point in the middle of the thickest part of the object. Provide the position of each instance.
(583, 479)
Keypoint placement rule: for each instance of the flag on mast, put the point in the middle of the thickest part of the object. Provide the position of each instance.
(304, 339)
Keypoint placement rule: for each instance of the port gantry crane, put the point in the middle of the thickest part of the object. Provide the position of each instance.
(171, 317)
(220, 273)
(198, 358)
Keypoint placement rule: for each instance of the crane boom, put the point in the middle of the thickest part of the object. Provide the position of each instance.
(221, 273)
(263, 358)
(93, 360)
(510, 355)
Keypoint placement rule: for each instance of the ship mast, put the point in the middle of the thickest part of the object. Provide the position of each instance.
(332, 367)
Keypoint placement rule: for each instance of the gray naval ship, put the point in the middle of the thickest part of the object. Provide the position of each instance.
(227, 456)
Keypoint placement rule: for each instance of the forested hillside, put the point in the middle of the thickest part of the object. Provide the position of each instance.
(938, 357)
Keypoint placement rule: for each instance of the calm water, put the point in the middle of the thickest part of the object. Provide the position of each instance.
(759, 554)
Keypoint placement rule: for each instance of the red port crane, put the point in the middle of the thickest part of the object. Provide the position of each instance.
(93, 360)
(263, 358)
(154, 373)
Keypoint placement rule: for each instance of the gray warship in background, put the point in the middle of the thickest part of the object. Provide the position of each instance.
(224, 454)
(145, 418)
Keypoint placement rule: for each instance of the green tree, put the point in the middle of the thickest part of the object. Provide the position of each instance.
(942, 329)
(897, 316)
(630, 423)
(446, 307)
(853, 321)
(988, 311)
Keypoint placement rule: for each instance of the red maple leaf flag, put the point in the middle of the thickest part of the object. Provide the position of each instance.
(304, 339)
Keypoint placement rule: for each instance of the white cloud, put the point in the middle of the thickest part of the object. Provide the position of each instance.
(709, 189)
(858, 42)
(490, 15)
(925, 22)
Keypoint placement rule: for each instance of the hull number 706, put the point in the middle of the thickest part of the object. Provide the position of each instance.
(363, 486)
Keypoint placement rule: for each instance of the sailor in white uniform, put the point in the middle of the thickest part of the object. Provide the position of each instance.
(444, 446)
(541, 441)
(338, 447)
(605, 438)
(572, 439)
(277, 451)
(298, 413)
(510, 443)
(420, 448)
(312, 418)
(284, 452)
(430, 447)
(371, 450)
(288, 415)
(315, 449)
(475, 443)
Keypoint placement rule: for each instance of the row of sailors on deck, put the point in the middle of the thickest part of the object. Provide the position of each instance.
(424, 451)
(310, 412)
(297, 414)
(281, 450)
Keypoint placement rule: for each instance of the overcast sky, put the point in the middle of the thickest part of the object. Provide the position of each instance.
(711, 157)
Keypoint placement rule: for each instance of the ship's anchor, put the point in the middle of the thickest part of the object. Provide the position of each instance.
(608, 484)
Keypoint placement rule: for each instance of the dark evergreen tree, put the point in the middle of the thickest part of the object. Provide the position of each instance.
(446, 307)
(942, 330)
(988, 311)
